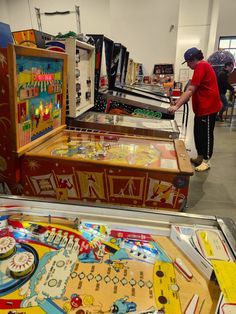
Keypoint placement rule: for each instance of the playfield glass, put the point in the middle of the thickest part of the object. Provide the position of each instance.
(111, 149)
(127, 121)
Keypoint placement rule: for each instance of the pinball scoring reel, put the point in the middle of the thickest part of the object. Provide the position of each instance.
(7, 247)
(21, 265)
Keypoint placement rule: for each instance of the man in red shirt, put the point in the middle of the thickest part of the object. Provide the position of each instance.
(206, 103)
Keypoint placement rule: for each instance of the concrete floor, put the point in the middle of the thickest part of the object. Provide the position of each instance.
(213, 192)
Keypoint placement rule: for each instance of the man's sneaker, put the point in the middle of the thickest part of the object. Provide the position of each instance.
(197, 161)
(220, 118)
(205, 165)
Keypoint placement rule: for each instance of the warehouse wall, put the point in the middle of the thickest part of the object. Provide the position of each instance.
(142, 25)
(93, 15)
(4, 17)
(193, 31)
(227, 19)
(201, 24)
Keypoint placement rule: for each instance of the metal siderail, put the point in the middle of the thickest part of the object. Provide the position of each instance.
(156, 222)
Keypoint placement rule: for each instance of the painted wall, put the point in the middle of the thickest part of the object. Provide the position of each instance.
(201, 24)
(4, 16)
(212, 42)
(227, 19)
(193, 31)
(143, 26)
(92, 13)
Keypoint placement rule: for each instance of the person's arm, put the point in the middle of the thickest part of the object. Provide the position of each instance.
(228, 86)
(184, 98)
(231, 88)
(225, 82)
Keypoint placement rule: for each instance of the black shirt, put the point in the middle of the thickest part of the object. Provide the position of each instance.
(223, 82)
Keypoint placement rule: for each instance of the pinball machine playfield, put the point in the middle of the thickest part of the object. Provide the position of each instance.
(61, 258)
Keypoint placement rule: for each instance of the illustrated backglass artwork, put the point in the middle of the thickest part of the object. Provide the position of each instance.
(39, 96)
(163, 69)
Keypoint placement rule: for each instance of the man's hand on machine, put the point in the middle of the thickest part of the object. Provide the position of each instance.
(172, 107)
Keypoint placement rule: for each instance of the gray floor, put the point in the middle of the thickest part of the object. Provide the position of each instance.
(214, 192)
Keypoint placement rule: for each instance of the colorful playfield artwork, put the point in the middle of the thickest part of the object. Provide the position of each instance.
(51, 268)
(115, 150)
(39, 96)
(62, 263)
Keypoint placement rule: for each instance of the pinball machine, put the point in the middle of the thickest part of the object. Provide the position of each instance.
(81, 63)
(111, 70)
(58, 258)
(33, 85)
(124, 99)
(109, 168)
(40, 158)
(124, 124)
(104, 51)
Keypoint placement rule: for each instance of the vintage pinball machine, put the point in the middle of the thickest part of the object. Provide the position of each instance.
(123, 124)
(125, 68)
(58, 258)
(104, 51)
(31, 38)
(40, 158)
(124, 99)
(109, 168)
(163, 74)
(108, 60)
(119, 79)
(81, 62)
(33, 85)
(160, 83)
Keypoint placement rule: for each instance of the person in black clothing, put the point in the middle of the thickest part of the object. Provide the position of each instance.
(223, 85)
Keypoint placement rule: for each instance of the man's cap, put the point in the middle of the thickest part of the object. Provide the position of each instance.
(190, 54)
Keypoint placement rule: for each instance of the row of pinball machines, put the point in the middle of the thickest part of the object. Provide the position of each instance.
(39, 157)
(58, 258)
(68, 253)
(115, 73)
(112, 92)
(84, 89)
